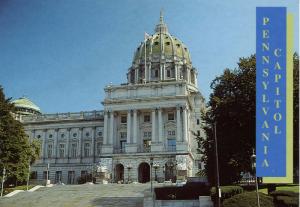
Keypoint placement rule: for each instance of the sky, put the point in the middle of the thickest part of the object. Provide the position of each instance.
(62, 53)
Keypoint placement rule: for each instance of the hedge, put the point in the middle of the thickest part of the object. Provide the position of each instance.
(285, 198)
(187, 192)
(226, 192)
(248, 199)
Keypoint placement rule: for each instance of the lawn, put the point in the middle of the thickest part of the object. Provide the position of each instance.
(292, 188)
(21, 187)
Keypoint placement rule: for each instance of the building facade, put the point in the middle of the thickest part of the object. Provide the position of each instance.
(150, 120)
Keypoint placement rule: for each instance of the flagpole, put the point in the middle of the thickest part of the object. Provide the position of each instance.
(145, 57)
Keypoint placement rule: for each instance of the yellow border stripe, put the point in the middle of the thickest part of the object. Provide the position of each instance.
(289, 106)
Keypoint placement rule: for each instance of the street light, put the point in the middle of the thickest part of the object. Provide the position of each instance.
(218, 189)
(156, 166)
(253, 161)
(151, 164)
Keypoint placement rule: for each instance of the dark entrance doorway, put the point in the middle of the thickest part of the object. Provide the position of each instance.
(119, 173)
(170, 172)
(144, 172)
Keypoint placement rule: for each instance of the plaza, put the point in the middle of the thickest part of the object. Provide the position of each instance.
(86, 195)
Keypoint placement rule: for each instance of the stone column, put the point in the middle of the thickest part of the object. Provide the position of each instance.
(178, 124)
(105, 138)
(134, 126)
(176, 71)
(93, 144)
(68, 142)
(128, 125)
(153, 125)
(55, 143)
(185, 129)
(111, 128)
(44, 154)
(160, 126)
(80, 143)
(136, 76)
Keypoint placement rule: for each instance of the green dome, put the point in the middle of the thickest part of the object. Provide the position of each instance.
(25, 106)
(162, 45)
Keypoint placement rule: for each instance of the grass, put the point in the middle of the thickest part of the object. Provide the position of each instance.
(294, 188)
(20, 187)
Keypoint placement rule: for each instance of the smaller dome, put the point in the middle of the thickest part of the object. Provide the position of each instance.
(25, 106)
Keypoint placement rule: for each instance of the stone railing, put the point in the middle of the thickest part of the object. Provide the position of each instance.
(64, 116)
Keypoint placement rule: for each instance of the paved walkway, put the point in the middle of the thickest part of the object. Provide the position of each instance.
(87, 195)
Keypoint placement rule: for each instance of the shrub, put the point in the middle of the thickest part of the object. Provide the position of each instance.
(190, 191)
(248, 199)
(226, 192)
(285, 198)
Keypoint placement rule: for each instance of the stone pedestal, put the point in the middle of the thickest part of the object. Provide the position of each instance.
(107, 149)
(157, 147)
(131, 148)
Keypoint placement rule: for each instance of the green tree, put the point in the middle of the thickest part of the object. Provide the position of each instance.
(16, 151)
(232, 107)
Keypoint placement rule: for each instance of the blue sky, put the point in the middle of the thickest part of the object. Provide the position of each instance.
(61, 53)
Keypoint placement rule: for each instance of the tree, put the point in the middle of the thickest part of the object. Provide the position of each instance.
(16, 151)
(232, 108)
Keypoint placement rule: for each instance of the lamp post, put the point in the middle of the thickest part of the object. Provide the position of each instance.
(253, 161)
(48, 168)
(129, 167)
(3, 179)
(151, 164)
(218, 189)
(156, 166)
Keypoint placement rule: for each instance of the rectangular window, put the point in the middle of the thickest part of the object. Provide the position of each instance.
(147, 134)
(147, 118)
(123, 135)
(83, 173)
(147, 145)
(49, 151)
(172, 145)
(45, 175)
(58, 177)
(33, 175)
(169, 73)
(71, 177)
(198, 121)
(123, 119)
(87, 149)
(74, 150)
(171, 116)
(61, 150)
(171, 133)
(156, 73)
(122, 145)
(98, 148)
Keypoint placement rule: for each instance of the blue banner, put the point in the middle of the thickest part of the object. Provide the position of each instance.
(271, 91)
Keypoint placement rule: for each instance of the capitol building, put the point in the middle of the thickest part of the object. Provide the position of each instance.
(149, 121)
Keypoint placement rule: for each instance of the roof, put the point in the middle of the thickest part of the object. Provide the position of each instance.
(24, 102)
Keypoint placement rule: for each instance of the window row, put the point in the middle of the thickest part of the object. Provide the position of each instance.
(73, 150)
